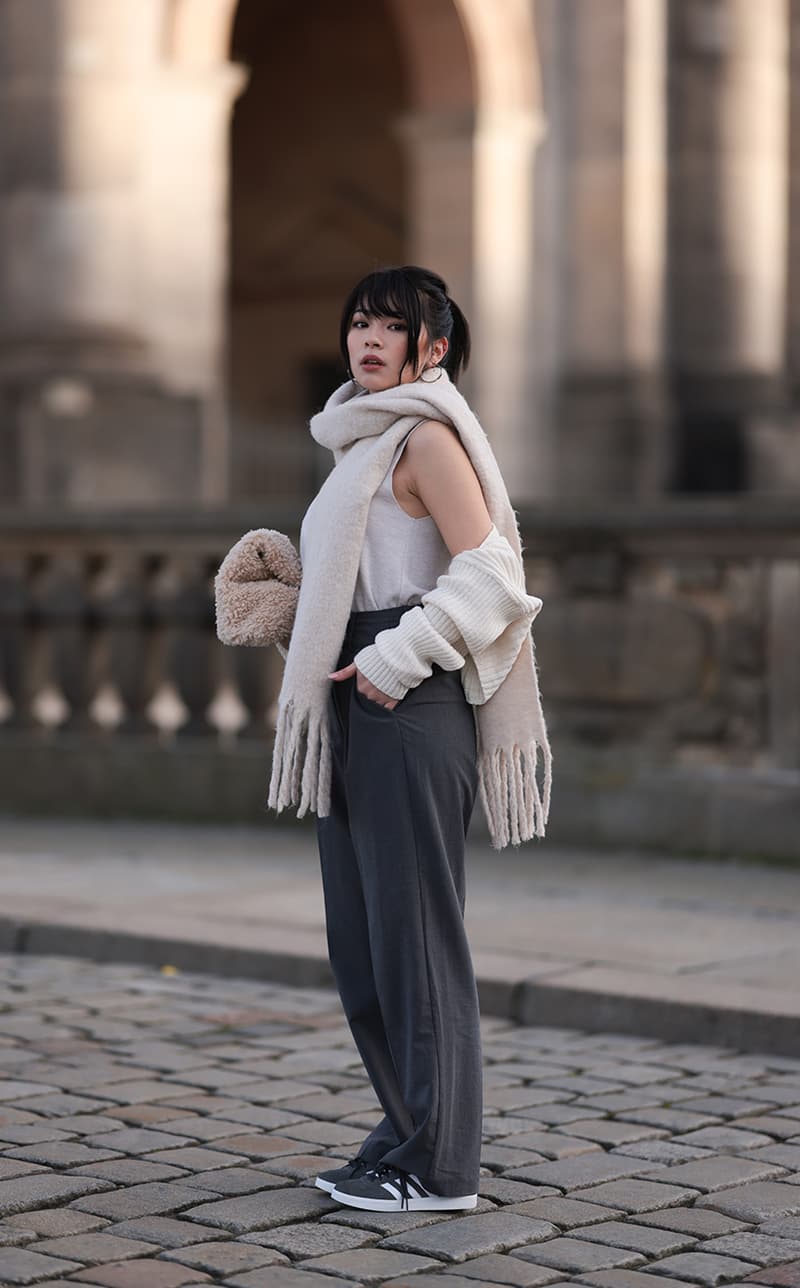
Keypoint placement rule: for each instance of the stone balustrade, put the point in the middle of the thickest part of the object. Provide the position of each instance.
(670, 631)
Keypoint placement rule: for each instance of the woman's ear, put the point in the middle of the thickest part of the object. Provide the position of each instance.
(438, 351)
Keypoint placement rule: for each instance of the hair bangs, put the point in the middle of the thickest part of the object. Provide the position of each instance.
(389, 294)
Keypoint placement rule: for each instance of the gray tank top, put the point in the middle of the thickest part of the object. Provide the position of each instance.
(401, 557)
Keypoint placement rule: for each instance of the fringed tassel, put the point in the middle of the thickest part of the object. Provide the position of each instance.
(301, 766)
(516, 809)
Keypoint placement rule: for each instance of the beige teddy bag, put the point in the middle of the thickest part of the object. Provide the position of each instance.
(256, 590)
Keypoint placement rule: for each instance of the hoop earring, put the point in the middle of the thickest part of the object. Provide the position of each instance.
(437, 369)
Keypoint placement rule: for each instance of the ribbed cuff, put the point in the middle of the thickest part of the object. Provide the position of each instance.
(380, 673)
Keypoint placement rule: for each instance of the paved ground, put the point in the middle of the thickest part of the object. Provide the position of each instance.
(162, 1130)
(678, 948)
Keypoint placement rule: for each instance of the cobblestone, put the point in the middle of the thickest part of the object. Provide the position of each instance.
(372, 1265)
(566, 1213)
(254, 1212)
(226, 1258)
(93, 1248)
(51, 1222)
(720, 1173)
(705, 1267)
(704, 1223)
(164, 1132)
(779, 1276)
(631, 1279)
(787, 1227)
(313, 1239)
(236, 1180)
(290, 1277)
(142, 1273)
(639, 1238)
(464, 1237)
(140, 1200)
(579, 1172)
(25, 1266)
(756, 1202)
(640, 1195)
(496, 1267)
(763, 1249)
(579, 1256)
(131, 1171)
(166, 1231)
(31, 1191)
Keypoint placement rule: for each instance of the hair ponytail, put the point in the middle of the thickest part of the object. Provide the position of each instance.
(460, 344)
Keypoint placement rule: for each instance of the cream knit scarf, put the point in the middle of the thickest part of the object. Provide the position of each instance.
(363, 430)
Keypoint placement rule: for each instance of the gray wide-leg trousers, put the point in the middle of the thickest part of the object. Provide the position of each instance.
(392, 853)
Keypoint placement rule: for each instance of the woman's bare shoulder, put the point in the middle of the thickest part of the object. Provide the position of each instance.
(435, 438)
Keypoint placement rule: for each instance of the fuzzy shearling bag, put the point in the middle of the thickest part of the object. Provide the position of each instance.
(256, 590)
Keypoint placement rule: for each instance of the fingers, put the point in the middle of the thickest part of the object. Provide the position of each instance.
(369, 691)
(377, 696)
(344, 674)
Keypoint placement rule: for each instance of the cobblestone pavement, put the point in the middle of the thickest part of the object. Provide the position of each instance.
(161, 1130)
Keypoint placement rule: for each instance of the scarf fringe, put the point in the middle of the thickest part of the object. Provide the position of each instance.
(516, 809)
(301, 763)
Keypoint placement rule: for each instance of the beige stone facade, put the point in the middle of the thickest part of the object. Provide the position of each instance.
(188, 187)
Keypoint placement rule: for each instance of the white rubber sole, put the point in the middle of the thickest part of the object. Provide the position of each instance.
(430, 1203)
(327, 1186)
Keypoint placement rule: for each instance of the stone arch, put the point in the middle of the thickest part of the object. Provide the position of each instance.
(470, 129)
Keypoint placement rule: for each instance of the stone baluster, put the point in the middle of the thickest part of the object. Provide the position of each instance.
(13, 595)
(181, 606)
(55, 663)
(227, 711)
(116, 643)
(260, 671)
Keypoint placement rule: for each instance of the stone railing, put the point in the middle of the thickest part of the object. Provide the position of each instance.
(108, 629)
(671, 631)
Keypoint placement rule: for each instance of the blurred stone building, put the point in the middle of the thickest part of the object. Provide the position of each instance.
(188, 188)
(611, 188)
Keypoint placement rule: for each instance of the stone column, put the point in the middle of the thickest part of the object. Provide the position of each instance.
(439, 152)
(471, 218)
(645, 238)
(183, 220)
(790, 440)
(112, 246)
(504, 377)
(728, 217)
(69, 76)
(594, 453)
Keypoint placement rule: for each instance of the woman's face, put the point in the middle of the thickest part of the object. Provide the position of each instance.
(377, 348)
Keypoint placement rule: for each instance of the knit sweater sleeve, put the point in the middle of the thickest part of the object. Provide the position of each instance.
(475, 618)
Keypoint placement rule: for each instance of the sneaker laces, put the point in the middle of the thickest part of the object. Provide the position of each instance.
(398, 1178)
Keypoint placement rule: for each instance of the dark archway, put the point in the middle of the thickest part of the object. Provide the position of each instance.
(318, 196)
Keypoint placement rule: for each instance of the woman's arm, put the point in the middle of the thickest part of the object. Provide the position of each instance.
(436, 469)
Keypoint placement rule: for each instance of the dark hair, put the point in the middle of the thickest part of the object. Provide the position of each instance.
(417, 296)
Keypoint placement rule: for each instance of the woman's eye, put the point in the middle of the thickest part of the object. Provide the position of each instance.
(398, 326)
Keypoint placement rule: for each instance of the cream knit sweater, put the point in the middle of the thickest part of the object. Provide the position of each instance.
(463, 623)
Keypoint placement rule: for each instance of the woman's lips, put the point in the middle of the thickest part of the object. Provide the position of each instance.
(372, 362)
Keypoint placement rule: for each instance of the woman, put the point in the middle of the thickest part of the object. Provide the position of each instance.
(409, 686)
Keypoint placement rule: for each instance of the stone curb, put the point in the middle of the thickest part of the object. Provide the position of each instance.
(524, 1001)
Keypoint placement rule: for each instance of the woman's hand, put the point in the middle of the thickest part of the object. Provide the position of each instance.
(363, 685)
